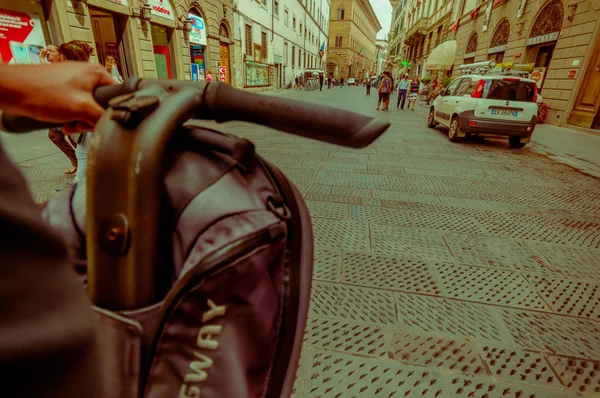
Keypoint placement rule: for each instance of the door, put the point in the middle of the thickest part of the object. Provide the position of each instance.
(162, 57)
(586, 112)
(224, 61)
(108, 38)
(443, 111)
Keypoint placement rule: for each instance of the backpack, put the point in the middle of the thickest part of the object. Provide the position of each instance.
(196, 252)
(386, 86)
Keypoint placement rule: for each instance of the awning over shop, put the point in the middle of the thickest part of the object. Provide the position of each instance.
(442, 57)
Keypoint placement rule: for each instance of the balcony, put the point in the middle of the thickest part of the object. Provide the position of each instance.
(416, 31)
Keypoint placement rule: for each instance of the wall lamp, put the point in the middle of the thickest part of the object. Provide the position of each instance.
(186, 24)
(145, 12)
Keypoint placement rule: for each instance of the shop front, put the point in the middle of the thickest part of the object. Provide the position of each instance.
(586, 111)
(224, 56)
(197, 39)
(23, 32)
(162, 32)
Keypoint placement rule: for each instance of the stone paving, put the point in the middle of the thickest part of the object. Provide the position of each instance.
(441, 269)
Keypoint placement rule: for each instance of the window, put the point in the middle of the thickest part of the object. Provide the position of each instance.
(286, 16)
(276, 9)
(299, 58)
(293, 56)
(285, 54)
(263, 42)
(452, 87)
(305, 31)
(300, 28)
(340, 14)
(338, 41)
(249, 40)
(264, 2)
(294, 23)
(463, 88)
(509, 89)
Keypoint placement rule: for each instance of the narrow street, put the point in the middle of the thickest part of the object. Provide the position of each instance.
(441, 269)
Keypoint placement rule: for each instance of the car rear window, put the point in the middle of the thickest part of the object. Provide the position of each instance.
(508, 90)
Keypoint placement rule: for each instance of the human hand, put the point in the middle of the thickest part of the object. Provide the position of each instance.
(59, 93)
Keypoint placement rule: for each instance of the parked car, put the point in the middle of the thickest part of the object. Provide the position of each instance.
(487, 105)
(351, 81)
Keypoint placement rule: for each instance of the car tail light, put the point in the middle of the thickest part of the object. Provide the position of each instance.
(478, 92)
(529, 128)
(535, 93)
(472, 123)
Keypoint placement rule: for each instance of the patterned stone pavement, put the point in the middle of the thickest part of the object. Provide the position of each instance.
(441, 270)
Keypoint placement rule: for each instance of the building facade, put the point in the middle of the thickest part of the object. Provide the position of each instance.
(281, 40)
(396, 37)
(352, 39)
(257, 45)
(559, 39)
(381, 56)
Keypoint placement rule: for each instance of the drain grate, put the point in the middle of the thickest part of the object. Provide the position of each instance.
(553, 334)
(465, 387)
(575, 263)
(353, 303)
(520, 366)
(321, 197)
(389, 272)
(327, 265)
(379, 215)
(445, 222)
(489, 286)
(432, 351)
(451, 317)
(348, 235)
(576, 298)
(333, 211)
(583, 376)
(347, 336)
(497, 252)
(409, 243)
(333, 375)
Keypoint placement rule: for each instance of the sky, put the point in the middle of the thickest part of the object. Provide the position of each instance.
(383, 10)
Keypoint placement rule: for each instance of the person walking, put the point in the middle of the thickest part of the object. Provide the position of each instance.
(414, 92)
(78, 51)
(208, 77)
(320, 82)
(384, 90)
(403, 86)
(342, 82)
(368, 85)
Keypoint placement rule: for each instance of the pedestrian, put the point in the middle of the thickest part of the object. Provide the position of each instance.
(111, 67)
(297, 83)
(368, 84)
(384, 89)
(78, 51)
(435, 93)
(66, 144)
(403, 86)
(342, 82)
(47, 320)
(320, 82)
(414, 92)
(329, 82)
(208, 77)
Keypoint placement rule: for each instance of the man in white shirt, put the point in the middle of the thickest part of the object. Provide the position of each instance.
(402, 90)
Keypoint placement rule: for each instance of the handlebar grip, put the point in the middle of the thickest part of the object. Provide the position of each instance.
(317, 122)
(104, 94)
(22, 124)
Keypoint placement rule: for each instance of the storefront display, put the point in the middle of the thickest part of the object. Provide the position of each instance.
(197, 37)
(197, 55)
(21, 37)
(257, 74)
(162, 57)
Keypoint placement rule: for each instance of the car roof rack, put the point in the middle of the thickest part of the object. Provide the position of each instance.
(490, 67)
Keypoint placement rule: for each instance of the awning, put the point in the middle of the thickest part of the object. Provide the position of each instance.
(442, 57)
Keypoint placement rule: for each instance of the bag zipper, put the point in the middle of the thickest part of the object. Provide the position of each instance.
(212, 264)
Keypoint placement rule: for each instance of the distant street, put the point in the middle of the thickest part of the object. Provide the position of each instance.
(441, 269)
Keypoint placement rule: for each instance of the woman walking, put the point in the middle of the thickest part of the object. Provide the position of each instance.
(414, 92)
(384, 90)
(78, 51)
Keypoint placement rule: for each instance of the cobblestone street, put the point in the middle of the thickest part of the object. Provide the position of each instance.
(441, 269)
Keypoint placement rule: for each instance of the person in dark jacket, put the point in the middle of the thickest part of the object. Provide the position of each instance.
(320, 82)
(49, 336)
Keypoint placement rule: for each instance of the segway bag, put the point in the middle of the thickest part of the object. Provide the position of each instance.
(197, 252)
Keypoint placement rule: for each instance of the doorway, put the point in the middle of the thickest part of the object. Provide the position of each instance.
(161, 37)
(108, 34)
(586, 112)
(224, 74)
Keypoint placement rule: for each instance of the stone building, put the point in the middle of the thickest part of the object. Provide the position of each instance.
(352, 39)
(560, 39)
(381, 56)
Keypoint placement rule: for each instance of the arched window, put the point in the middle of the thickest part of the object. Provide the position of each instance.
(549, 20)
(340, 13)
(223, 31)
(338, 41)
(472, 44)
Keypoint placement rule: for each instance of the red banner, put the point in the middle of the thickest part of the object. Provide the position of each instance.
(222, 73)
(21, 37)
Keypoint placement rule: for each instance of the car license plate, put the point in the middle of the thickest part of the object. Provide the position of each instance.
(505, 112)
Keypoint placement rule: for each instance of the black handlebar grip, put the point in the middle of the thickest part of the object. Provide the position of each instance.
(104, 94)
(317, 122)
(22, 124)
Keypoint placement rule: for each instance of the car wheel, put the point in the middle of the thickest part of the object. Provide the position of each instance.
(454, 130)
(431, 119)
(515, 142)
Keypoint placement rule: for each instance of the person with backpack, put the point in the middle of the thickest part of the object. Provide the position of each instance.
(384, 90)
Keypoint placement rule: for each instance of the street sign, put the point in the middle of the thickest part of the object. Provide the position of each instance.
(223, 73)
(532, 41)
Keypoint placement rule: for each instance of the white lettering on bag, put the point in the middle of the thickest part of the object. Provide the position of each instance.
(201, 362)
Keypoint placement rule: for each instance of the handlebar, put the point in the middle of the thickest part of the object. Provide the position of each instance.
(224, 103)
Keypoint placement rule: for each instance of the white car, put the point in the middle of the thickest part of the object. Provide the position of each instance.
(487, 105)
(351, 81)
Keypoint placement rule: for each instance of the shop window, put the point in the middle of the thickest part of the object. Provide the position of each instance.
(497, 57)
(263, 41)
(249, 40)
(161, 42)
